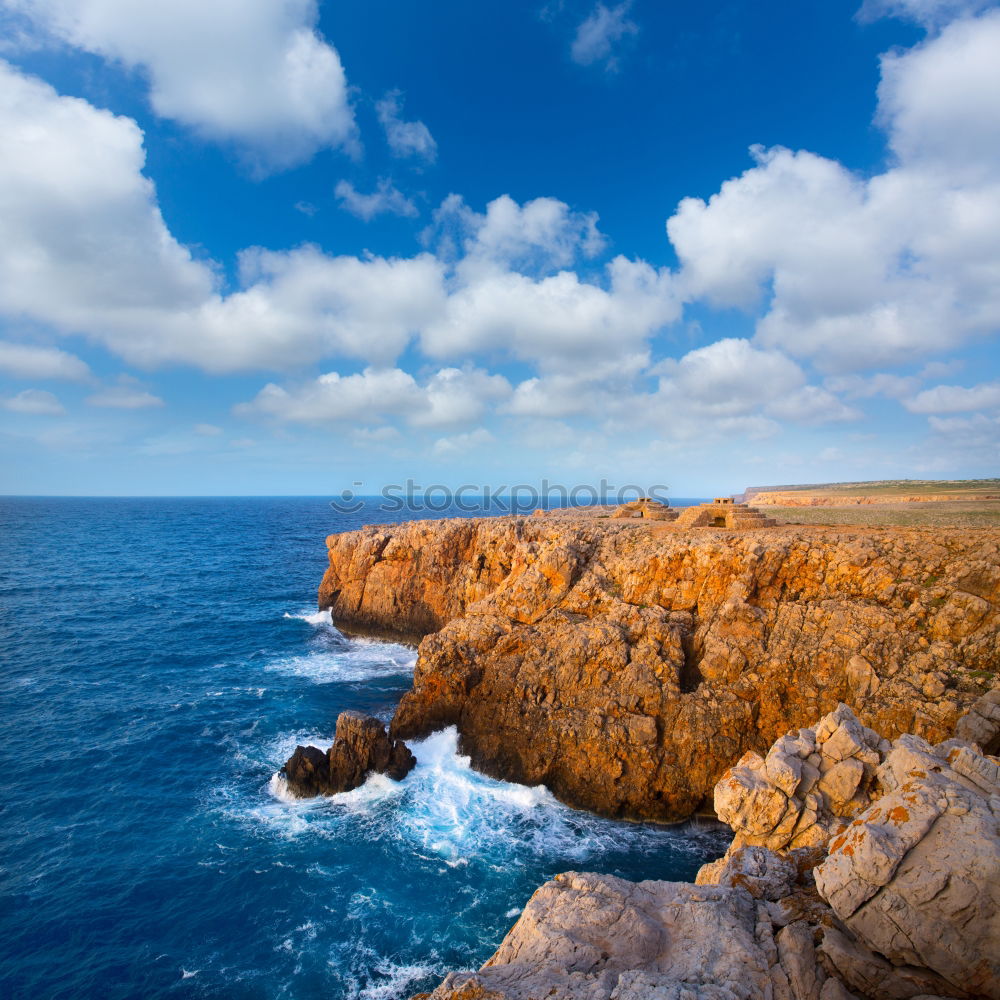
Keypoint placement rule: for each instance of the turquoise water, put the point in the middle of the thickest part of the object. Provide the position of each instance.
(160, 660)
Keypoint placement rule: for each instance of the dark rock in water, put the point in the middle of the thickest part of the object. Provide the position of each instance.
(360, 746)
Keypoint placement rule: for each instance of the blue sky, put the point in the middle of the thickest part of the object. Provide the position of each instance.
(274, 246)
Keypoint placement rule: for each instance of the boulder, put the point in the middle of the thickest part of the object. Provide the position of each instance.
(597, 937)
(360, 747)
(981, 724)
(810, 782)
(916, 876)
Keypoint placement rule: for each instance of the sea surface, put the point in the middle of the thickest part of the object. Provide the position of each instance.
(159, 661)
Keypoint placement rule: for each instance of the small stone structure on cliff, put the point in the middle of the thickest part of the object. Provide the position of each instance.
(648, 508)
(724, 512)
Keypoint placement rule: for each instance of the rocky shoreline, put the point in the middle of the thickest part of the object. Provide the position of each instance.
(628, 667)
(895, 895)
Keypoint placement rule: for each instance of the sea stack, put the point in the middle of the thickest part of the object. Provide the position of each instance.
(360, 747)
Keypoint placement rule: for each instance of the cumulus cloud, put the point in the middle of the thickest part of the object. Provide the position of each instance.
(405, 138)
(333, 397)
(599, 34)
(862, 272)
(955, 398)
(558, 322)
(34, 402)
(28, 361)
(972, 440)
(811, 405)
(459, 396)
(207, 430)
(540, 236)
(880, 384)
(256, 72)
(729, 377)
(84, 249)
(450, 397)
(386, 199)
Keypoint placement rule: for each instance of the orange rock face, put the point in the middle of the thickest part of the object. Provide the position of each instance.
(626, 668)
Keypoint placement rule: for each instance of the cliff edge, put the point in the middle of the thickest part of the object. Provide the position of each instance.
(625, 667)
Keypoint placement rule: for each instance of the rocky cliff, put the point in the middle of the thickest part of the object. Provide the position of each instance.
(895, 896)
(626, 665)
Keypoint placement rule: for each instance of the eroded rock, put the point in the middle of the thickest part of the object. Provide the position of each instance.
(360, 747)
(916, 876)
(902, 903)
(597, 937)
(626, 666)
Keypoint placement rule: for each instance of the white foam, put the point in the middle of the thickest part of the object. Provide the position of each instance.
(397, 979)
(355, 660)
(314, 618)
(444, 810)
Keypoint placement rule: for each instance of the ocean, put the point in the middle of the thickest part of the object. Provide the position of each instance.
(160, 659)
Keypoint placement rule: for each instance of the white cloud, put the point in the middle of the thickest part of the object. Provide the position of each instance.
(559, 322)
(941, 369)
(124, 397)
(929, 13)
(460, 444)
(405, 138)
(84, 249)
(254, 72)
(386, 199)
(334, 397)
(459, 396)
(597, 36)
(450, 397)
(207, 430)
(940, 101)
(36, 402)
(553, 396)
(858, 272)
(881, 384)
(972, 441)
(729, 378)
(811, 405)
(537, 237)
(955, 398)
(27, 361)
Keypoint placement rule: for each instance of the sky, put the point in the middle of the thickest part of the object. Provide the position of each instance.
(291, 247)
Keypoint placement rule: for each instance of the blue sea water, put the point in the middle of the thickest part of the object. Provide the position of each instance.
(159, 660)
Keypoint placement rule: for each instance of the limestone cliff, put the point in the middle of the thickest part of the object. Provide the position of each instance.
(896, 896)
(626, 665)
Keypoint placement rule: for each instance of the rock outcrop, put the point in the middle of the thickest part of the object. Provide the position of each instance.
(903, 902)
(626, 665)
(360, 747)
(981, 724)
